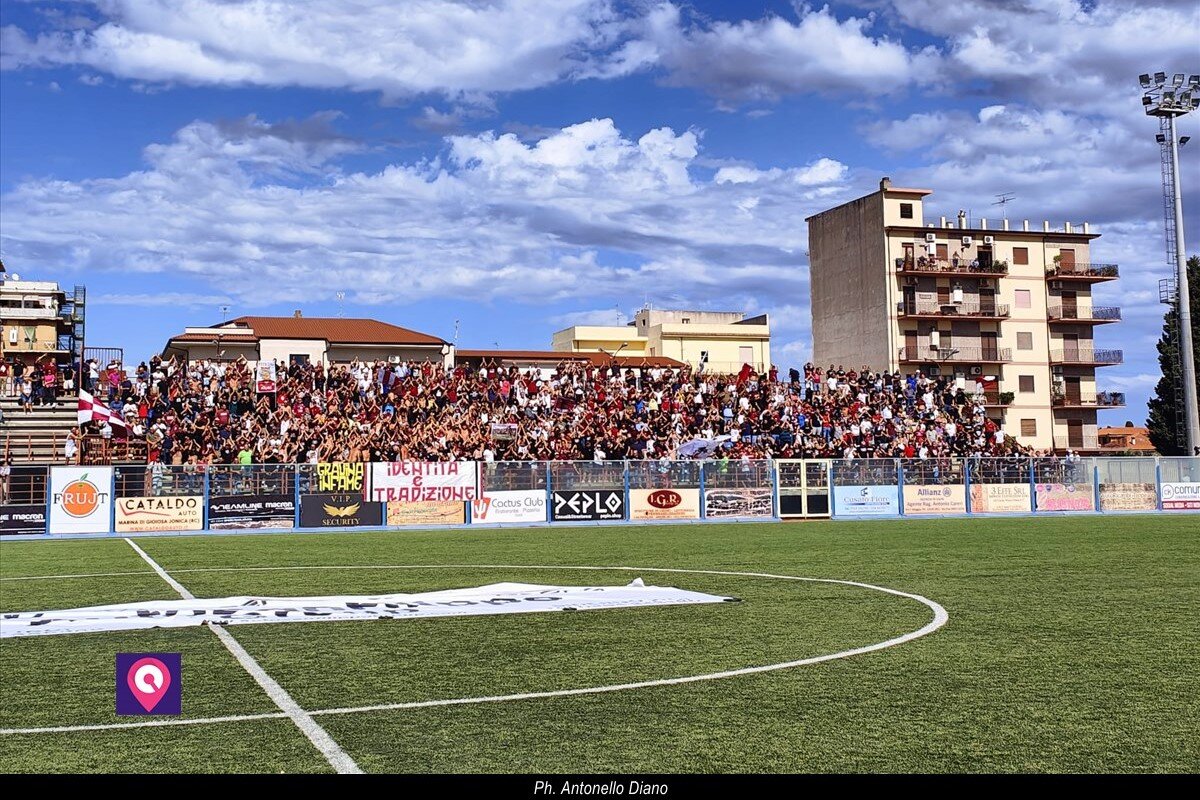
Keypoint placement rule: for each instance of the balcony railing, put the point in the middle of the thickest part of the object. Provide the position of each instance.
(997, 398)
(1101, 400)
(1089, 441)
(1086, 356)
(934, 266)
(1089, 272)
(1093, 314)
(967, 308)
(40, 312)
(956, 355)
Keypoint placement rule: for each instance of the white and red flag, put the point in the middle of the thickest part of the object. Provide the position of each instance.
(92, 410)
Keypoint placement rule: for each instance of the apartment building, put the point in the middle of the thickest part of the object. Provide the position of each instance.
(39, 320)
(1005, 309)
(723, 341)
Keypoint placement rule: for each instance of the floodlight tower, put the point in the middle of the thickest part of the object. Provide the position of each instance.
(1167, 100)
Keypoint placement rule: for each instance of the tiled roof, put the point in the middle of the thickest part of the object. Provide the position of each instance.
(334, 330)
(212, 337)
(555, 356)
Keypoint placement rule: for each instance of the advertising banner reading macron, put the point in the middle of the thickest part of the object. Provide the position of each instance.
(243, 511)
(80, 499)
(524, 505)
(418, 481)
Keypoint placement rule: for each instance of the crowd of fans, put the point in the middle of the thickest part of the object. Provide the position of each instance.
(205, 412)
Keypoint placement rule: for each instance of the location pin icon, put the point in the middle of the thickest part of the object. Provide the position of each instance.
(148, 679)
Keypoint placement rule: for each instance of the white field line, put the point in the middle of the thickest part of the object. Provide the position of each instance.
(82, 575)
(940, 618)
(338, 758)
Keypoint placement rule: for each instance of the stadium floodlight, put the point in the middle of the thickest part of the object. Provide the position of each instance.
(1167, 104)
(1144, 80)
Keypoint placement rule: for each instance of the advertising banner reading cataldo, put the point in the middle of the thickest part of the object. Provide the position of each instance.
(420, 482)
(160, 514)
(935, 500)
(433, 512)
(1000, 498)
(523, 505)
(664, 504)
(80, 499)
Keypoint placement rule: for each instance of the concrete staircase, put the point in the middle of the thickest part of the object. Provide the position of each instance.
(37, 438)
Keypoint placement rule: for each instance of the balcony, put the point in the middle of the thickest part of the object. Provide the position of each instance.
(967, 309)
(1096, 315)
(1102, 400)
(1088, 441)
(998, 399)
(1086, 273)
(933, 266)
(33, 312)
(1087, 356)
(923, 354)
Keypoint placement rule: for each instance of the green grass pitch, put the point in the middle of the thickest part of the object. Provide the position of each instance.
(1071, 646)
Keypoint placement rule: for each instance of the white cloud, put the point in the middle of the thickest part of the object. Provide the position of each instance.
(175, 299)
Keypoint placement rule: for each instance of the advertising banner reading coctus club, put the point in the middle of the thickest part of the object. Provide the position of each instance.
(665, 504)
(1128, 497)
(245, 511)
(588, 505)
(160, 514)
(935, 500)
(738, 503)
(338, 510)
(1000, 498)
(80, 499)
(433, 512)
(1181, 496)
(341, 476)
(418, 481)
(1065, 497)
(866, 501)
(517, 505)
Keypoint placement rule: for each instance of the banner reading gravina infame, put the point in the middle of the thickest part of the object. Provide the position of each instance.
(418, 481)
(497, 598)
(340, 476)
(159, 514)
(252, 511)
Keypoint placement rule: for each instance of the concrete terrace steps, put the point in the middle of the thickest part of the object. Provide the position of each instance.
(37, 437)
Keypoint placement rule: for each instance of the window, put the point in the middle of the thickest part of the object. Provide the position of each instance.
(298, 358)
(746, 354)
(1029, 427)
(1023, 298)
(1020, 255)
(686, 320)
(906, 211)
(1026, 383)
(943, 252)
(1024, 340)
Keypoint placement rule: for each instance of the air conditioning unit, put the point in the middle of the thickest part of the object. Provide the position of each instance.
(1056, 284)
(912, 280)
(976, 370)
(931, 237)
(988, 239)
(393, 359)
(1057, 369)
(966, 240)
(933, 370)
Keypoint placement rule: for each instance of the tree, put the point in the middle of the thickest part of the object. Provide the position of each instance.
(1165, 414)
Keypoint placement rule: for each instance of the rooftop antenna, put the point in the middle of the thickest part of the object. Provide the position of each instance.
(1003, 200)
(224, 314)
(456, 332)
(341, 299)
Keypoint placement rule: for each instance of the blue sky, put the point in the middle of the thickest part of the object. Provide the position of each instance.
(518, 166)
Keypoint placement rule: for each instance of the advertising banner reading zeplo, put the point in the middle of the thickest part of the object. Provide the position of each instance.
(866, 501)
(418, 481)
(1181, 496)
(935, 500)
(1065, 497)
(338, 510)
(160, 514)
(665, 503)
(252, 511)
(588, 505)
(1128, 497)
(80, 499)
(525, 505)
(1000, 498)
(433, 512)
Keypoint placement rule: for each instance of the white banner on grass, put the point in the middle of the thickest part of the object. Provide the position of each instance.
(496, 598)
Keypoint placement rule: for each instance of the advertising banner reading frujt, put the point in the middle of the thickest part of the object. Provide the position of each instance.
(80, 499)
(418, 481)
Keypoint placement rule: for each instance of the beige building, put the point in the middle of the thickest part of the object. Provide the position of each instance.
(1004, 308)
(39, 320)
(308, 339)
(722, 340)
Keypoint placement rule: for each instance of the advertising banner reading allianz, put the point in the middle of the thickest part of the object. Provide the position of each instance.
(160, 514)
(80, 499)
(935, 500)
(421, 482)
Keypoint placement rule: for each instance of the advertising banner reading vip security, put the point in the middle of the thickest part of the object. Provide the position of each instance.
(80, 499)
(338, 511)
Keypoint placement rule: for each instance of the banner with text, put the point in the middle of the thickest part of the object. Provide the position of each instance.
(866, 501)
(433, 512)
(80, 499)
(729, 503)
(248, 511)
(1128, 497)
(22, 519)
(418, 481)
(665, 503)
(338, 510)
(516, 506)
(920, 500)
(1000, 498)
(136, 514)
(1181, 496)
(341, 476)
(1065, 497)
(588, 505)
